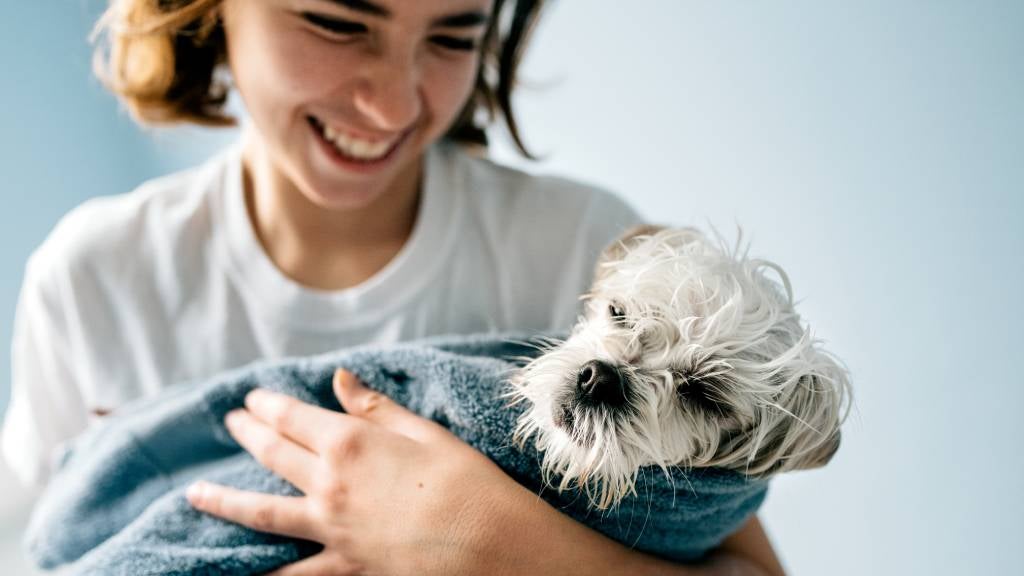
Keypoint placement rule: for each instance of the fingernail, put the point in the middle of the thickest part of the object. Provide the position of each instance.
(340, 378)
(256, 396)
(350, 380)
(231, 418)
(194, 493)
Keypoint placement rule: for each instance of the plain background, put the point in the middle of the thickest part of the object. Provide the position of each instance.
(874, 149)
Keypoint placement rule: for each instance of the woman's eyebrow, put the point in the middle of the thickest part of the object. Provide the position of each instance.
(363, 6)
(469, 19)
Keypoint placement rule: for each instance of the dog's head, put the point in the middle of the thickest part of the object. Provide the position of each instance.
(689, 355)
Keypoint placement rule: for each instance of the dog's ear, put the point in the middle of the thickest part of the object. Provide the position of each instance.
(822, 454)
(621, 245)
(808, 434)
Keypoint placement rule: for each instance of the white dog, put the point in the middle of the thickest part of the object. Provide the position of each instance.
(687, 355)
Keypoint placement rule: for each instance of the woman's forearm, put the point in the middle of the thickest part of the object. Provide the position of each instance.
(748, 546)
(534, 538)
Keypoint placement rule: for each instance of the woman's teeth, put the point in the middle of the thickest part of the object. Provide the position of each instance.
(355, 147)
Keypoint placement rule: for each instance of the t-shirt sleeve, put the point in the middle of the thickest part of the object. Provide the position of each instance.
(46, 406)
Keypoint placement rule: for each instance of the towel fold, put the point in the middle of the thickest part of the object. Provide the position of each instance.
(117, 504)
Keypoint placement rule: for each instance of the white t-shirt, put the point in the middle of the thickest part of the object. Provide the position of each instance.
(132, 293)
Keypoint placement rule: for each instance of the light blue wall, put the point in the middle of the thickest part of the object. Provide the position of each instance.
(63, 138)
(60, 140)
(873, 148)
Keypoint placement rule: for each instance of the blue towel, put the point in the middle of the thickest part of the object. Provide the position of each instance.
(117, 503)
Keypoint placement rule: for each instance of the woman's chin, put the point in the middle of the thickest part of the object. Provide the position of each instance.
(343, 197)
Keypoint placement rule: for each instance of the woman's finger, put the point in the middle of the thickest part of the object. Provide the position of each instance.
(371, 405)
(322, 564)
(283, 515)
(309, 425)
(276, 452)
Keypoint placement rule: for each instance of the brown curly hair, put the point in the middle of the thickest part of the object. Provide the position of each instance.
(164, 60)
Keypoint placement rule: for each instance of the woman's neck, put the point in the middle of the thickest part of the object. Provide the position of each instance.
(322, 248)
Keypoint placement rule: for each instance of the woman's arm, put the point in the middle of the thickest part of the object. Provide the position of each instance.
(552, 543)
(46, 406)
(747, 550)
(386, 491)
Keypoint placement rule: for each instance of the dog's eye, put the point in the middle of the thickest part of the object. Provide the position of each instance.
(617, 313)
(701, 393)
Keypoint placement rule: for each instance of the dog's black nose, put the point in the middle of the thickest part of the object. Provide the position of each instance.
(601, 383)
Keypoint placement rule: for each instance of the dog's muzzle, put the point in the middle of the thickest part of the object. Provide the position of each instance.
(601, 383)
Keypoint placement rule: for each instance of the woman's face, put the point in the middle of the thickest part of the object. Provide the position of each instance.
(346, 94)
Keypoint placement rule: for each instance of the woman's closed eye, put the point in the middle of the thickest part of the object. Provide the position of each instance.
(340, 27)
(333, 25)
(455, 43)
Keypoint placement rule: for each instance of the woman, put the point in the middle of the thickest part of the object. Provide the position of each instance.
(345, 215)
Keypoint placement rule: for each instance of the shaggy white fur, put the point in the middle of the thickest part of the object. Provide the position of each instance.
(714, 369)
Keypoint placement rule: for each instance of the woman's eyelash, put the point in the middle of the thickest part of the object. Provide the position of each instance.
(338, 26)
(453, 43)
(333, 24)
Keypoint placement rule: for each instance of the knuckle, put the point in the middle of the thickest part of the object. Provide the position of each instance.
(283, 415)
(333, 501)
(323, 484)
(346, 446)
(372, 401)
(271, 453)
(263, 518)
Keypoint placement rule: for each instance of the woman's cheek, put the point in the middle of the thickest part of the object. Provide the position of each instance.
(308, 66)
(448, 83)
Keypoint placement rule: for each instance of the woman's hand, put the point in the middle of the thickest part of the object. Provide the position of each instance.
(385, 491)
(388, 492)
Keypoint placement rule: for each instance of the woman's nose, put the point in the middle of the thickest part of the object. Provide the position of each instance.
(390, 96)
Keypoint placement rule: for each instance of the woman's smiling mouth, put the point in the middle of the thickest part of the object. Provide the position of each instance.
(353, 149)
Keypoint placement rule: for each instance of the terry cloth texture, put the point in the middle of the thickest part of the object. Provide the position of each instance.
(117, 504)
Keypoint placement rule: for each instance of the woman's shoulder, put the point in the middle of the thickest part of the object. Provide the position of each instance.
(504, 183)
(115, 234)
(540, 235)
(536, 199)
(512, 201)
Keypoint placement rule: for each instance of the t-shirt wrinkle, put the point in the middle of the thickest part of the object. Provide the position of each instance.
(170, 283)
